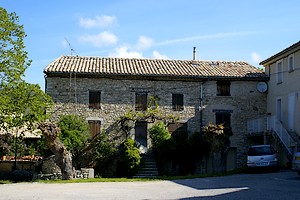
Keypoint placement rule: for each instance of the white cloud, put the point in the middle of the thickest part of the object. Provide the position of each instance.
(99, 21)
(144, 43)
(136, 51)
(125, 52)
(202, 37)
(157, 55)
(255, 57)
(102, 39)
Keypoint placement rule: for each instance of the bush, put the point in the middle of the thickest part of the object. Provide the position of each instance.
(158, 134)
(163, 147)
(74, 134)
(21, 176)
(99, 154)
(130, 158)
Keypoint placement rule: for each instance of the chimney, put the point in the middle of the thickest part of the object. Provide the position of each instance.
(194, 53)
(194, 61)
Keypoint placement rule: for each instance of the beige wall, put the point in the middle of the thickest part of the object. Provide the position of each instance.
(289, 86)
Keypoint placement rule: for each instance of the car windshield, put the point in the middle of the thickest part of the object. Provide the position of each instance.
(258, 151)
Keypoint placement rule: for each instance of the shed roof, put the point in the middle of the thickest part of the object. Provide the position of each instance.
(168, 69)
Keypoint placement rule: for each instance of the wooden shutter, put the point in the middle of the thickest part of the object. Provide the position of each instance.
(177, 102)
(94, 99)
(223, 88)
(140, 101)
(95, 127)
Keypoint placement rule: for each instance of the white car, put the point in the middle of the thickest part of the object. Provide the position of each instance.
(262, 156)
(296, 163)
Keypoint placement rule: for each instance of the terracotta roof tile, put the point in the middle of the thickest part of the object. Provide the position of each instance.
(152, 67)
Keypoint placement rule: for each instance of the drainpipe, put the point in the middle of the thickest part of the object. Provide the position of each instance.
(201, 107)
(45, 77)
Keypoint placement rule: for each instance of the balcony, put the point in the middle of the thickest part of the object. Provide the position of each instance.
(272, 125)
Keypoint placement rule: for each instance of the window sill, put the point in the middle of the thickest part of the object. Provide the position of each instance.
(225, 96)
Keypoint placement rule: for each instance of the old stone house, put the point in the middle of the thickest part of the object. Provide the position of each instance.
(199, 92)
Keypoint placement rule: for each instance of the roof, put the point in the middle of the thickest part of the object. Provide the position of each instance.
(166, 69)
(279, 55)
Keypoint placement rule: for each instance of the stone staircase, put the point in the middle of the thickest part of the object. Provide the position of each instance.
(148, 167)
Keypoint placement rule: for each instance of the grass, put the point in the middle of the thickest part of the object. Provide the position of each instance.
(159, 178)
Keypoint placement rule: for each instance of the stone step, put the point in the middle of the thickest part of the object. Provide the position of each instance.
(148, 168)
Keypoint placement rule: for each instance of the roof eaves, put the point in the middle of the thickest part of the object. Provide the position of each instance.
(159, 77)
(295, 45)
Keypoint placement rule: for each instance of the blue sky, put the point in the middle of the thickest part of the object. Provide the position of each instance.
(230, 30)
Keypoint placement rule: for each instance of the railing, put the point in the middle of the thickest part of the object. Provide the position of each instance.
(257, 125)
(274, 125)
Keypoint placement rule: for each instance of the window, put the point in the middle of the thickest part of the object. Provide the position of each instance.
(223, 88)
(94, 99)
(177, 102)
(279, 72)
(141, 101)
(223, 118)
(95, 127)
(291, 63)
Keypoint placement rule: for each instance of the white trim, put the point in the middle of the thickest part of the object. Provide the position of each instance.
(94, 119)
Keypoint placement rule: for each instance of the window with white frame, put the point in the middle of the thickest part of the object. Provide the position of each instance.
(279, 66)
(291, 63)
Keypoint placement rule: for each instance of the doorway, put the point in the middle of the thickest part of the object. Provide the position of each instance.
(141, 133)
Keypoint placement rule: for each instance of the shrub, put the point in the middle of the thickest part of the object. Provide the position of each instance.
(99, 153)
(130, 158)
(74, 134)
(158, 134)
(163, 147)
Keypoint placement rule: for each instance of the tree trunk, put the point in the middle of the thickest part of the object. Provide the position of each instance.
(63, 157)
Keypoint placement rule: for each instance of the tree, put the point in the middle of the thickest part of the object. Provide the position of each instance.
(218, 139)
(22, 105)
(13, 57)
(74, 134)
(63, 157)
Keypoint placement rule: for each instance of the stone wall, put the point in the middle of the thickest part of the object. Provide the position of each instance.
(118, 96)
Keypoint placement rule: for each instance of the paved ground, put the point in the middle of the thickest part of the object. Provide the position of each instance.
(281, 185)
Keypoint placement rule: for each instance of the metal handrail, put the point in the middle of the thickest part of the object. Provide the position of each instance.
(274, 125)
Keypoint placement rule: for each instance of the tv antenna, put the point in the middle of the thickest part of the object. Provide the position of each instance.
(71, 48)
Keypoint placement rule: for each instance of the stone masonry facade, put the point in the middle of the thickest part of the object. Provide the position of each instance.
(71, 96)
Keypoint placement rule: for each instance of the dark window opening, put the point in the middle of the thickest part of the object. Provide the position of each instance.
(95, 127)
(223, 88)
(140, 101)
(223, 118)
(177, 102)
(94, 99)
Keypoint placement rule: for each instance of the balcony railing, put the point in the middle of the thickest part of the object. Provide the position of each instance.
(273, 125)
(257, 125)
